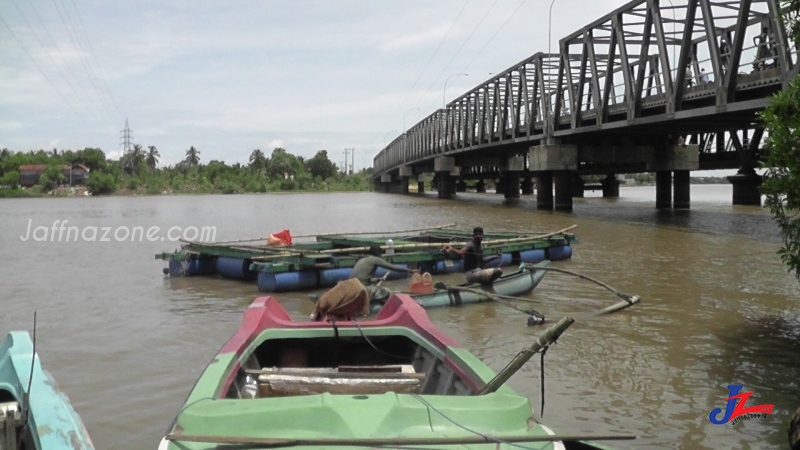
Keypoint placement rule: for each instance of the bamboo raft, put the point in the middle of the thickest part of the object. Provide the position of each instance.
(330, 257)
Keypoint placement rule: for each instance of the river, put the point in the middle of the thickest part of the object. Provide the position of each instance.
(718, 308)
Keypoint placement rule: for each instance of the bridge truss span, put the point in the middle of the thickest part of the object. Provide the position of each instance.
(653, 73)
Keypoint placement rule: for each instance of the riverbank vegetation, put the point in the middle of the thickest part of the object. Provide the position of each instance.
(137, 173)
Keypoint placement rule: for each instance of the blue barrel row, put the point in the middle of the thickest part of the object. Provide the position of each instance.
(310, 279)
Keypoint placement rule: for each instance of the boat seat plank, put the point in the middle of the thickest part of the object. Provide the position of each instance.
(278, 381)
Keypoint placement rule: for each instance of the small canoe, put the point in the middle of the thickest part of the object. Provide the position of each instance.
(40, 417)
(520, 282)
(395, 381)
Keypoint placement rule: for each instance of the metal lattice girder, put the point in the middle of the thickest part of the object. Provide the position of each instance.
(650, 66)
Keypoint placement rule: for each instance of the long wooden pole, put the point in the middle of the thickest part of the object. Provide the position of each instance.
(548, 337)
(378, 442)
(412, 230)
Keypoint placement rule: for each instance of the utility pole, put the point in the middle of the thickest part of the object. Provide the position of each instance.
(346, 150)
(127, 136)
(353, 161)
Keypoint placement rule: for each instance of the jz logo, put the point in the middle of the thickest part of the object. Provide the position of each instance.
(735, 409)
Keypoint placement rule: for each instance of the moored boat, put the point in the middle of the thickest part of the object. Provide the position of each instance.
(517, 283)
(395, 381)
(34, 413)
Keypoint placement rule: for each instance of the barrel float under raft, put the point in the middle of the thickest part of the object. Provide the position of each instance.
(557, 253)
(532, 256)
(193, 267)
(393, 274)
(505, 260)
(329, 277)
(449, 266)
(287, 281)
(235, 268)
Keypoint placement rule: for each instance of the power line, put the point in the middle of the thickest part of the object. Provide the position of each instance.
(46, 77)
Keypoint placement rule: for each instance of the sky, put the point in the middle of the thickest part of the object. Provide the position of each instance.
(230, 77)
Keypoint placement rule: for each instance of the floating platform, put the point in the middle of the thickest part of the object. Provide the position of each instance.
(330, 258)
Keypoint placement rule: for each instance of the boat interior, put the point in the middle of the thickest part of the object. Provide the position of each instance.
(355, 365)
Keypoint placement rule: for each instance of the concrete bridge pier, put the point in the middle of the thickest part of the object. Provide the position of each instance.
(681, 189)
(563, 180)
(544, 190)
(481, 186)
(676, 159)
(386, 183)
(511, 188)
(515, 164)
(403, 188)
(610, 186)
(461, 186)
(556, 163)
(500, 185)
(664, 189)
(420, 186)
(577, 186)
(527, 186)
(445, 168)
(745, 187)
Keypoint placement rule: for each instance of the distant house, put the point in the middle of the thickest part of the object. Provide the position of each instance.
(29, 174)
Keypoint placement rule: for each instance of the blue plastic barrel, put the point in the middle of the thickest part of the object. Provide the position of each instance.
(235, 268)
(193, 267)
(557, 253)
(329, 277)
(532, 256)
(393, 275)
(287, 281)
(504, 261)
(449, 266)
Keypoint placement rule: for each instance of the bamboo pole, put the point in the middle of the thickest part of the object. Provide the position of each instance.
(587, 278)
(440, 244)
(491, 295)
(412, 230)
(547, 338)
(396, 441)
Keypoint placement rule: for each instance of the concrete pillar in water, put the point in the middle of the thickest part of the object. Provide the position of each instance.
(681, 189)
(527, 186)
(512, 184)
(745, 187)
(577, 186)
(481, 186)
(544, 190)
(461, 186)
(610, 186)
(421, 187)
(664, 189)
(445, 167)
(563, 181)
(404, 185)
(500, 185)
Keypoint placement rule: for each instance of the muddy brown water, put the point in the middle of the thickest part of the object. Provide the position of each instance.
(718, 308)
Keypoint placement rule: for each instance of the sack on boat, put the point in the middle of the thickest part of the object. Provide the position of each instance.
(483, 276)
(280, 238)
(421, 283)
(344, 301)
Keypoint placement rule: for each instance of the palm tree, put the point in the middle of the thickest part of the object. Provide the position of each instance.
(152, 157)
(257, 159)
(192, 156)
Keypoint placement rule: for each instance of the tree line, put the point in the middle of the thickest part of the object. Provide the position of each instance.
(137, 172)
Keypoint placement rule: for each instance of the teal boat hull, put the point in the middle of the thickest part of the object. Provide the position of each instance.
(52, 423)
(521, 282)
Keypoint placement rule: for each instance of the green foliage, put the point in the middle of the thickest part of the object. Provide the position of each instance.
(10, 179)
(101, 183)
(782, 178)
(782, 160)
(321, 166)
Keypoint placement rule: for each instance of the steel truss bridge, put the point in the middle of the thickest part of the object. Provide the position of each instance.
(654, 86)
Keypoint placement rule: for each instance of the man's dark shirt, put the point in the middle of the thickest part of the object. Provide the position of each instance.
(473, 258)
